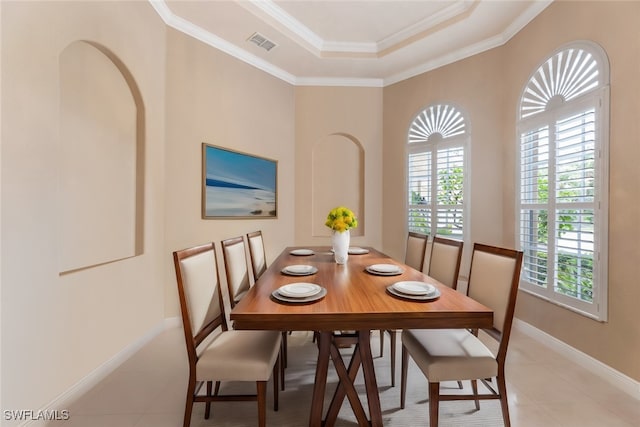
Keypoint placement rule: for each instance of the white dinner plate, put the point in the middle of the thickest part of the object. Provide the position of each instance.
(414, 288)
(354, 250)
(299, 270)
(302, 252)
(428, 297)
(278, 296)
(299, 290)
(384, 269)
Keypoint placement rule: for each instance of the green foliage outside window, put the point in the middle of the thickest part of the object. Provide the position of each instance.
(574, 272)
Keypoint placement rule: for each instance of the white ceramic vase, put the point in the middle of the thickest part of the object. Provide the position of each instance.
(340, 242)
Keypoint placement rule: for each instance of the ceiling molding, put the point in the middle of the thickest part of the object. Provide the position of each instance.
(474, 49)
(212, 40)
(459, 8)
(308, 39)
(348, 82)
(290, 25)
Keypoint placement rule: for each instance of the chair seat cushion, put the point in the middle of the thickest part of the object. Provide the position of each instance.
(239, 356)
(449, 354)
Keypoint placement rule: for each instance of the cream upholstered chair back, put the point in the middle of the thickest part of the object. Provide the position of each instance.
(256, 253)
(199, 293)
(416, 248)
(493, 281)
(229, 355)
(444, 263)
(235, 265)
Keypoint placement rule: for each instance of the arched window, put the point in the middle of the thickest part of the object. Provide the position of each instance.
(436, 172)
(563, 174)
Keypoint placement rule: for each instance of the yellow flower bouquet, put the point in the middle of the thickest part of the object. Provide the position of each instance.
(341, 219)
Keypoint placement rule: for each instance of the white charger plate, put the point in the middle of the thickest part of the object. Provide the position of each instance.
(412, 287)
(299, 300)
(302, 252)
(354, 250)
(428, 297)
(299, 290)
(299, 270)
(384, 269)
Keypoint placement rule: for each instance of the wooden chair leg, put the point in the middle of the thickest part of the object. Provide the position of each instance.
(277, 369)
(392, 343)
(283, 358)
(217, 388)
(474, 387)
(434, 402)
(262, 403)
(188, 409)
(381, 341)
(207, 408)
(403, 376)
(284, 349)
(504, 404)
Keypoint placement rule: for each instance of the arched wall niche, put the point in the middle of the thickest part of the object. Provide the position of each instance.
(338, 180)
(100, 159)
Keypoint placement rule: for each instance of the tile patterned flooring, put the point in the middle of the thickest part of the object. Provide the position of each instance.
(545, 389)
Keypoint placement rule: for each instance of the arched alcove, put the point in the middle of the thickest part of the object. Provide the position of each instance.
(100, 159)
(338, 180)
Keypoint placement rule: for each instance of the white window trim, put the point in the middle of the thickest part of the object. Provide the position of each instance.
(433, 146)
(599, 98)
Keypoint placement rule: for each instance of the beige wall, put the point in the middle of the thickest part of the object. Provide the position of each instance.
(56, 329)
(613, 25)
(214, 98)
(470, 85)
(353, 116)
(488, 87)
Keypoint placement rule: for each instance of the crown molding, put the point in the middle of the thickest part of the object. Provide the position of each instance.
(399, 38)
(212, 40)
(364, 49)
(339, 81)
(482, 46)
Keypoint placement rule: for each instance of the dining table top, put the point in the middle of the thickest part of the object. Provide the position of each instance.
(355, 298)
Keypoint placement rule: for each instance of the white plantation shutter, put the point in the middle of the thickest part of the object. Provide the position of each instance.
(436, 172)
(563, 175)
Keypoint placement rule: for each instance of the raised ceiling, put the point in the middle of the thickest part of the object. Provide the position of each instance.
(349, 43)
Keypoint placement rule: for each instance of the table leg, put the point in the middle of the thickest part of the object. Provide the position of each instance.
(320, 384)
(373, 398)
(361, 357)
(345, 387)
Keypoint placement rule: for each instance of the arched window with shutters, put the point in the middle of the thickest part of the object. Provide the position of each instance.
(563, 179)
(436, 178)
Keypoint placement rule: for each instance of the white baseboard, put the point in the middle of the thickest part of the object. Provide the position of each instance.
(102, 371)
(616, 378)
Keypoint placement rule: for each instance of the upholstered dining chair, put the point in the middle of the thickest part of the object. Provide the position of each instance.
(413, 257)
(239, 283)
(444, 262)
(235, 266)
(458, 354)
(216, 353)
(416, 249)
(257, 253)
(259, 266)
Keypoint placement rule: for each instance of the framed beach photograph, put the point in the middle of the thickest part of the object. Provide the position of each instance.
(237, 185)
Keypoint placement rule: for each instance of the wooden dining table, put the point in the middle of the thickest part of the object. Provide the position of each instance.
(357, 301)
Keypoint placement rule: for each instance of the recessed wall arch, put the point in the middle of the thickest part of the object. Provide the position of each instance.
(337, 180)
(100, 159)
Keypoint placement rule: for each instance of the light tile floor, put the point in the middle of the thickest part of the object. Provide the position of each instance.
(545, 389)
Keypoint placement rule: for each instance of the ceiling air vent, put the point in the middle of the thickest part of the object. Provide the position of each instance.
(262, 41)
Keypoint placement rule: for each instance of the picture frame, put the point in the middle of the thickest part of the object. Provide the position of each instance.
(238, 185)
